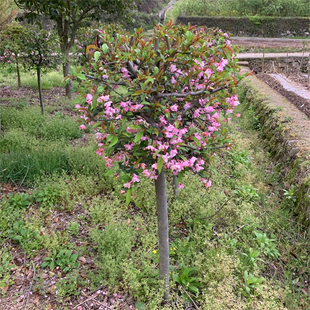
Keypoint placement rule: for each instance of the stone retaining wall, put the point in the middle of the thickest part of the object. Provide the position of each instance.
(286, 133)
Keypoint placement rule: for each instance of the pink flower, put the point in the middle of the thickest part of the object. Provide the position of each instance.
(173, 153)
(82, 127)
(173, 68)
(128, 147)
(173, 80)
(146, 173)
(174, 108)
(129, 130)
(125, 73)
(238, 115)
(187, 105)
(135, 178)
(206, 182)
(180, 185)
(209, 109)
(103, 98)
(89, 98)
(127, 185)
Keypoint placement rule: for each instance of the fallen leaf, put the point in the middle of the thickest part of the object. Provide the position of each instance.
(82, 259)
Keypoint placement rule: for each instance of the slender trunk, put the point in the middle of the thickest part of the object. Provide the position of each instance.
(18, 74)
(40, 89)
(66, 72)
(163, 232)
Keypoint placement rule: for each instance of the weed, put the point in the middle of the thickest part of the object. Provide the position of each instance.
(187, 279)
(73, 228)
(64, 259)
(25, 236)
(290, 196)
(70, 285)
(20, 201)
(46, 197)
(5, 267)
(251, 283)
(266, 245)
(247, 192)
(113, 246)
(253, 256)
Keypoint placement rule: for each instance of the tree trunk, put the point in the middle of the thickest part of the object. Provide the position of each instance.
(40, 89)
(163, 232)
(18, 74)
(66, 72)
(175, 186)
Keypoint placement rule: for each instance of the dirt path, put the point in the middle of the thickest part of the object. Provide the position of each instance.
(255, 42)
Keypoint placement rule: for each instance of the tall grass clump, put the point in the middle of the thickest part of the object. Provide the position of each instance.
(49, 80)
(20, 166)
(30, 121)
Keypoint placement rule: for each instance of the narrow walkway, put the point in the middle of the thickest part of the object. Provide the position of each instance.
(246, 56)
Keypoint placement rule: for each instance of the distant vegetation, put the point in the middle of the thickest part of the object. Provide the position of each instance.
(279, 8)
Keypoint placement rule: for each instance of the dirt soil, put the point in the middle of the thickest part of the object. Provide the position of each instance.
(276, 43)
(8, 94)
(293, 93)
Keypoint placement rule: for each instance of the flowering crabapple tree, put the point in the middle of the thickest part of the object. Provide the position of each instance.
(158, 104)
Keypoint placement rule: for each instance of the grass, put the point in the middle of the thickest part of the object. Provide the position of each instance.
(231, 245)
(52, 78)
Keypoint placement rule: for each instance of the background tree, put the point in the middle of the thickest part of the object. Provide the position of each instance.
(157, 103)
(11, 46)
(7, 13)
(69, 16)
(40, 51)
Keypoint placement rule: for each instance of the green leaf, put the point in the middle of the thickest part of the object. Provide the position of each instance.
(156, 70)
(97, 55)
(160, 164)
(140, 305)
(128, 196)
(138, 136)
(194, 289)
(100, 89)
(197, 141)
(104, 48)
(113, 141)
(110, 137)
(188, 35)
(138, 92)
(81, 76)
(109, 172)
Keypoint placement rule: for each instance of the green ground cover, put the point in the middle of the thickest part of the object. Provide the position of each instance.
(281, 8)
(233, 246)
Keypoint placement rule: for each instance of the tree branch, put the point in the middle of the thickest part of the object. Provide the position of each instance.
(149, 120)
(102, 80)
(184, 95)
